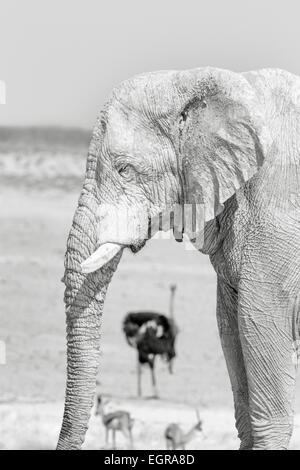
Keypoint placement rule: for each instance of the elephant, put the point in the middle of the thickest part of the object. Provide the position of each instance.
(224, 147)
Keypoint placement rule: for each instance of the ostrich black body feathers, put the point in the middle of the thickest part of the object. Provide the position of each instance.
(151, 333)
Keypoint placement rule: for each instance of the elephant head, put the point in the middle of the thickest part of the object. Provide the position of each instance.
(188, 138)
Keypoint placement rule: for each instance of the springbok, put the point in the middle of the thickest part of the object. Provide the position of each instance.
(115, 421)
(176, 438)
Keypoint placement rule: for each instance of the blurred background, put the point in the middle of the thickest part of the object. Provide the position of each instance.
(60, 59)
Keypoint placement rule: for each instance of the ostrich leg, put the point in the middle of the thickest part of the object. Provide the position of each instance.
(139, 376)
(130, 438)
(153, 377)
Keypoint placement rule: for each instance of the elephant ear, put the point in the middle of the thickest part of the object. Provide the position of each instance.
(223, 142)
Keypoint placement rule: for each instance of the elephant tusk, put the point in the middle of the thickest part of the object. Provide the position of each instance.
(101, 256)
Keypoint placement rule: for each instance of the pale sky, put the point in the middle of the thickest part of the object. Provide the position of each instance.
(60, 58)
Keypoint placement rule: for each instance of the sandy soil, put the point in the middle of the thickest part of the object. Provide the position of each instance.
(36, 426)
(34, 222)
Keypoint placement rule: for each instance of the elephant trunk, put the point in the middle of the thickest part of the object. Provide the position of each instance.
(84, 299)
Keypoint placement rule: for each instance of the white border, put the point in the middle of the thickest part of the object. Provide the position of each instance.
(2, 353)
(2, 92)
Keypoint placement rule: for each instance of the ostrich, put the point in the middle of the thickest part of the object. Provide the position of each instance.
(152, 334)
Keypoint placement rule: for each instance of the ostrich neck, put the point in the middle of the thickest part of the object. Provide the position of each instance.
(171, 305)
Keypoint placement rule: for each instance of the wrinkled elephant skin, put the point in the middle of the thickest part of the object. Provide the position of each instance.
(226, 145)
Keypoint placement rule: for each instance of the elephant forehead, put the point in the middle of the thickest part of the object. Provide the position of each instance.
(159, 93)
(125, 133)
(119, 130)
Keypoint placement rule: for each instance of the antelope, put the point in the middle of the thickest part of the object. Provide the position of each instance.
(176, 438)
(115, 421)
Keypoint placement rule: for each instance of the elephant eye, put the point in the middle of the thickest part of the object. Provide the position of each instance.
(125, 171)
(183, 115)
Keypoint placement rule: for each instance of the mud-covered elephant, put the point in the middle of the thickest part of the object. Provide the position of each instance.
(226, 145)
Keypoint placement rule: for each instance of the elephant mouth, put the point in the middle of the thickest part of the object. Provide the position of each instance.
(102, 255)
(105, 252)
(137, 247)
